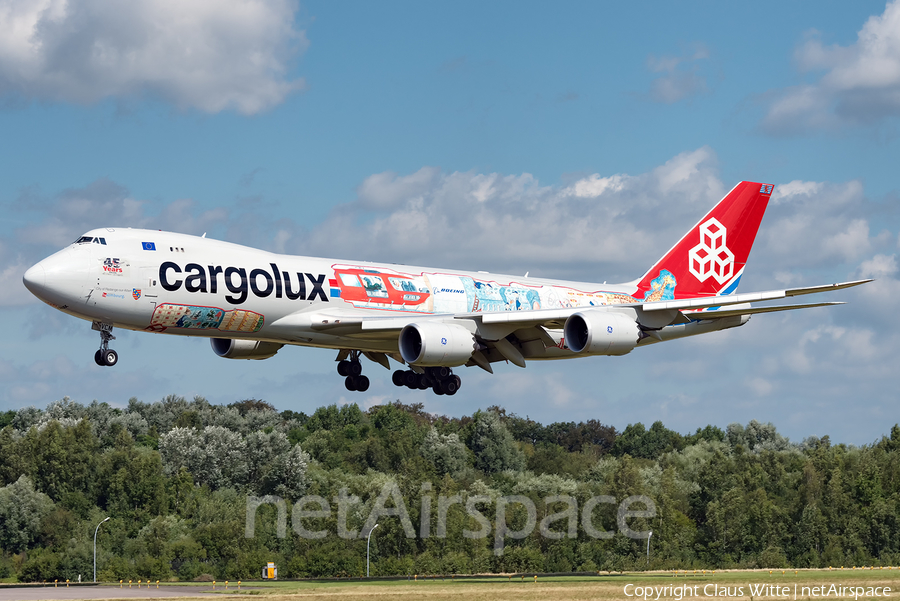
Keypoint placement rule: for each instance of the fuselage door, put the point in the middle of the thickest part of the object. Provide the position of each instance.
(149, 282)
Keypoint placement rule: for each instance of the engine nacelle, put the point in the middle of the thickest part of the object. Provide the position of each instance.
(601, 333)
(231, 348)
(436, 344)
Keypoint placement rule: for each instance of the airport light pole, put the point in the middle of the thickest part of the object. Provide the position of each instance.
(648, 547)
(95, 548)
(368, 539)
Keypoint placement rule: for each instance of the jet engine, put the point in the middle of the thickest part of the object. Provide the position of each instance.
(436, 344)
(601, 333)
(231, 348)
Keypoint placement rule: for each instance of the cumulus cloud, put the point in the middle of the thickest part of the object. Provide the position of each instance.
(496, 221)
(860, 83)
(680, 75)
(211, 55)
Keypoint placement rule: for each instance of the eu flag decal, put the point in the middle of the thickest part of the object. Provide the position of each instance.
(149, 245)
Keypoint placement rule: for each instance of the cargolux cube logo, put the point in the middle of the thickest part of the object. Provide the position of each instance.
(711, 257)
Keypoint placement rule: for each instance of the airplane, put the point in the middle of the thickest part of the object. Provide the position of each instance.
(250, 303)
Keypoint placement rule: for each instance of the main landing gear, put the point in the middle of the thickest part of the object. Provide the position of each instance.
(351, 369)
(440, 379)
(105, 356)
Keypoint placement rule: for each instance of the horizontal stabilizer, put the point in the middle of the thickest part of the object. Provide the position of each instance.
(750, 297)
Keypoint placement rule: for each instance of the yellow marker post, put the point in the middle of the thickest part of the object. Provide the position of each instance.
(157, 584)
(120, 584)
(129, 584)
(226, 585)
(239, 585)
(54, 583)
(535, 578)
(214, 585)
(67, 583)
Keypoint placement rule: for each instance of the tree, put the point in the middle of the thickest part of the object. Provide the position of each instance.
(494, 447)
(445, 451)
(22, 509)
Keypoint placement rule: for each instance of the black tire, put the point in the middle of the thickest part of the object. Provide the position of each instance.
(344, 368)
(442, 372)
(438, 389)
(458, 381)
(398, 378)
(362, 383)
(98, 358)
(355, 368)
(350, 383)
(410, 379)
(449, 385)
(422, 382)
(110, 358)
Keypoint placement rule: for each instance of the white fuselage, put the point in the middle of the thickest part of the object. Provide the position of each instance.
(187, 285)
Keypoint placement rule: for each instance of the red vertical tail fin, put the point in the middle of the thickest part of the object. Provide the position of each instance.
(710, 259)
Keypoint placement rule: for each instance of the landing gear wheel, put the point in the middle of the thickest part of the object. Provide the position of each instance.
(110, 357)
(450, 386)
(438, 389)
(355, 368)
(362, 383)
(411, 379)
(398, 378)
(105, 356)
(350, 383)
(344, 368)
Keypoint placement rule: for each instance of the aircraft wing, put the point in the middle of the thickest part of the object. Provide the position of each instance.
(369, 324)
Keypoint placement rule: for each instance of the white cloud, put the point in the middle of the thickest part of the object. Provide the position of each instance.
(861, 83)
(512, 222)
(210, 55)
(879, 266)
(680, 77)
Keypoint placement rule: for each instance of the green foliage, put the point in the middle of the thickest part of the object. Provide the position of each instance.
(22, 510)
(174, 478)
(494, 447)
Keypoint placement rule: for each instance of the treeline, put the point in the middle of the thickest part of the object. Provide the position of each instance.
(176, 478)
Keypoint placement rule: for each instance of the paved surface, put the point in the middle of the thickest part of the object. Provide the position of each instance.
(38, 593)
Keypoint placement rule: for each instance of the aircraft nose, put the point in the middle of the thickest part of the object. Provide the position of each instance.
(35, 279)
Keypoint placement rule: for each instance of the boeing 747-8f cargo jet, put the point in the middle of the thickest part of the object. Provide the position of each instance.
(250, 303)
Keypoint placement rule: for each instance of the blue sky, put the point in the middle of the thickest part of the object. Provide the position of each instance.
(453, 134)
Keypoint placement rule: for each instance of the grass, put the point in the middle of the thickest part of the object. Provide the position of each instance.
(568, 588)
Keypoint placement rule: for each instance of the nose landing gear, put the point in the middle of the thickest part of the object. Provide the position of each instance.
(440, 379)
(351, 369)
(105, 356)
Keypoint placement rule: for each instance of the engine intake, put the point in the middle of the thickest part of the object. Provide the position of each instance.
(435, 344)
(231, 348)
(601, 333)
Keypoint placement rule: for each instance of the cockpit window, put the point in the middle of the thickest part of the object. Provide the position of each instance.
(90, 239)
